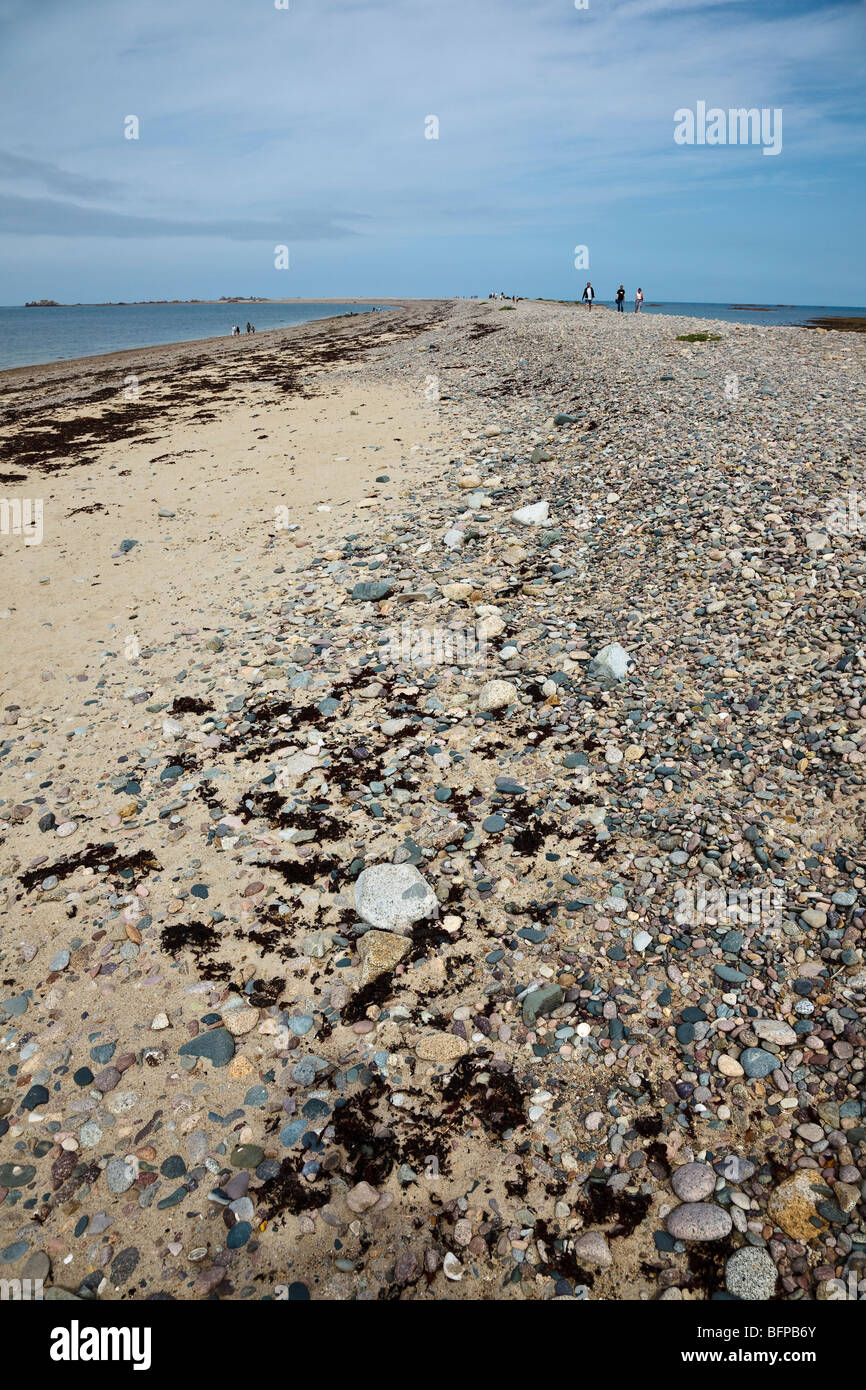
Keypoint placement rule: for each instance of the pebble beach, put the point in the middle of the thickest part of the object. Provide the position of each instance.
(432, 813)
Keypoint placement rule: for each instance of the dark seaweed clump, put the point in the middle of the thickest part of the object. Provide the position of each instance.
(130, 867)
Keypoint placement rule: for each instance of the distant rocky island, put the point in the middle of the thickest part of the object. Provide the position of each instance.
(133, 303)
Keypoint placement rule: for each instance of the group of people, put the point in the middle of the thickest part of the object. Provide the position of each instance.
(236, 329)
(589, 296)
(502, 295)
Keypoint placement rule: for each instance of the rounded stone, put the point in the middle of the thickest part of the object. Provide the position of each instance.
(698, 1221)
(393, 896)
(495, 695)
(119, 1175)
(693, 1182)
(592, 1250)
(750, 1274)
(729, 1066)
(247, 1156)
(441, 1047)
(757, 1062)
(241, 1021)
(239, 1235)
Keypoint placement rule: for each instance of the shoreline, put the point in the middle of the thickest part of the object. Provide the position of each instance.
(153, 353)
(831, 323)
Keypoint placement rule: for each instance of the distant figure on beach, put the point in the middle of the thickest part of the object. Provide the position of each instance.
(638, 300)
(249, 326)
(620, 296)
(252, 328)
(588, 295)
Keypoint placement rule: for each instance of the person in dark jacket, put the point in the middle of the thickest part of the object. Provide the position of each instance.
(620, 299)
(588, 295)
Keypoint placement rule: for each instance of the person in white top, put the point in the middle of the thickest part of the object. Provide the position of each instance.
(638, 300)
(588, 295)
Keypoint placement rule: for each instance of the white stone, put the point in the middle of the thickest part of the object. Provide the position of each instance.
(534, 515)
(393, 896)
(495, 695)
(458, 589)
(774, 1030)
(612, 662)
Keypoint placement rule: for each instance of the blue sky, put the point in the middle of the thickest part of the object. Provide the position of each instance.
(306, 127)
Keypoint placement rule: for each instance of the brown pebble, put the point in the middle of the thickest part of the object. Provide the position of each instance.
(106, 1080)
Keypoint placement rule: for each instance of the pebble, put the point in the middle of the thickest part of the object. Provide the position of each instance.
(757, 1062)
(612, 663)
(693, 1182)
(393, 896)
(592, 1249)
(774, 1031)
(380, 952)
(750, 1274)
(497, 695)
(217, 1045)
(698, 1221)
(794, 1205)
(535, 514)
(119, 1174)
(443, 1048)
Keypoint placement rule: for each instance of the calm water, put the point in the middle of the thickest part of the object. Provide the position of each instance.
(28, 336)
(770, 315)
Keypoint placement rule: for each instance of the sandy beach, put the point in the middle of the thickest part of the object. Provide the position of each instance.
(340, 963)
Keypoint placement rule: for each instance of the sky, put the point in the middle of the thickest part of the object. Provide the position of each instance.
(307, 127)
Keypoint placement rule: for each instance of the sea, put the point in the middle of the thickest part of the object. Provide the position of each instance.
(55, 334)
(29, 336)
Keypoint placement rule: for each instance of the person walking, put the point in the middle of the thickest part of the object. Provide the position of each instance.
(620, 296)
(588, 295)
(638, 300)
